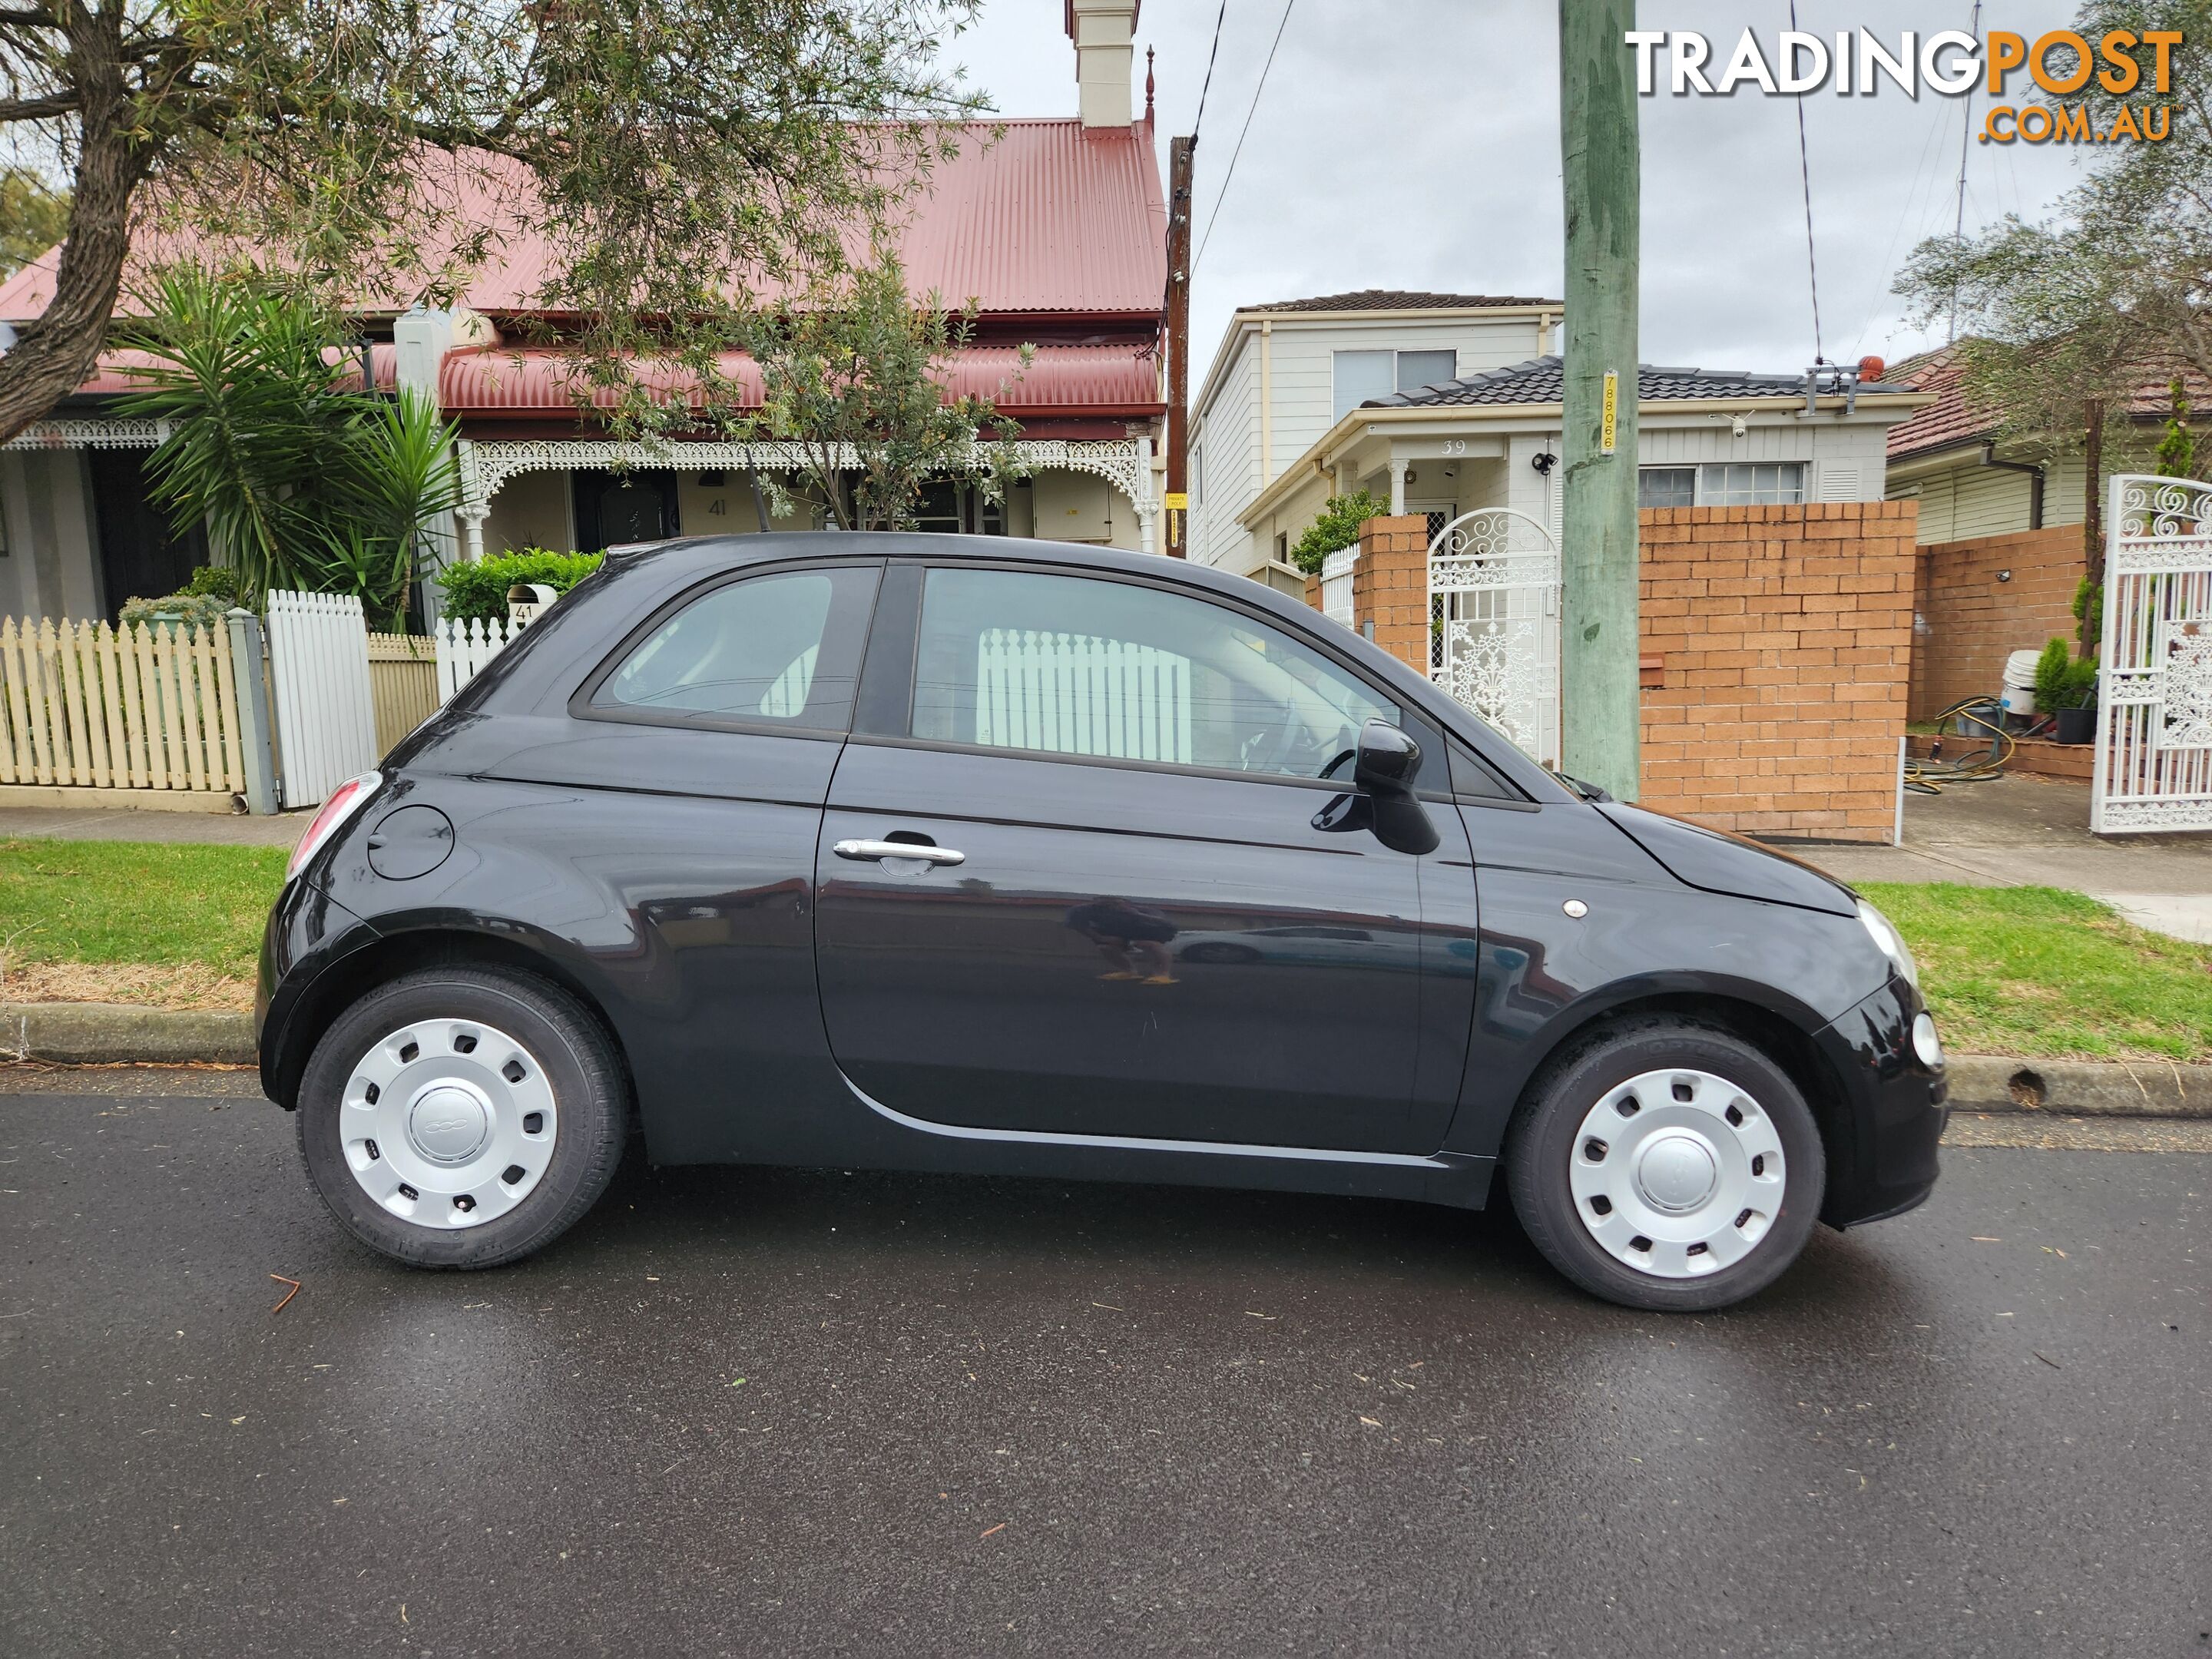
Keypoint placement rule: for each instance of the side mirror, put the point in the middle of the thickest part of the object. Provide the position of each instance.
(1388, 759)
(1383, 775)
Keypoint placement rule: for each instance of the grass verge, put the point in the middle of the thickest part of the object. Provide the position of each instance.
(2046, 974)
(2032, 971)
(169, 926)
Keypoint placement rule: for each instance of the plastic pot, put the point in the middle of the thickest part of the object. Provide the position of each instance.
(2076, 725)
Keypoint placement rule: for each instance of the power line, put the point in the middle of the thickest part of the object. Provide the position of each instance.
(1230, 172)
(1805, 174)
(1958, 217)
(1212, 52)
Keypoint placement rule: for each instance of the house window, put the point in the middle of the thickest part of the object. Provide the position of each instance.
(1751, 484)
(1418, 368)
(1361, 375)
(1665, 486)
(1721, 483)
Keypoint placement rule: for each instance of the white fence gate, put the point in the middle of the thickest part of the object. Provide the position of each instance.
(2154, 767)
(325, 710)
(463, 648)
(1494, 623)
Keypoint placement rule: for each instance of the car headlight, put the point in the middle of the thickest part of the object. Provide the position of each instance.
(1890, 943)
(1925, 1042)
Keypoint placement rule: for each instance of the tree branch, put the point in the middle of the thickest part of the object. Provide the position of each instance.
(40, 109)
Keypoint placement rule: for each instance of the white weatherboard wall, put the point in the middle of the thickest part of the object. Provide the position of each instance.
(326, 707)
(1228, 430)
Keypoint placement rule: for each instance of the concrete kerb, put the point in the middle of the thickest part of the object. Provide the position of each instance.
(109, 1034)
(105, 1034)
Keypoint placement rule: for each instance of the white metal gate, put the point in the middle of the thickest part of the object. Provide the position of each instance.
(2154, 693)
(1494, 623)
(325, 709)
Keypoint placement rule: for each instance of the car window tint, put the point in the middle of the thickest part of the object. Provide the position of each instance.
(767, 650)
(1064, 665)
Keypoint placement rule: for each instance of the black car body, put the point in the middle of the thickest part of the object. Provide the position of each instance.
(676, 872)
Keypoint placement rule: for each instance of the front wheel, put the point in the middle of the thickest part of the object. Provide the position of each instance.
(1666, 1165)
(462, 1117)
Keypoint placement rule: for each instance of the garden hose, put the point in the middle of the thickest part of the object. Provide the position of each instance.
(1929, 777)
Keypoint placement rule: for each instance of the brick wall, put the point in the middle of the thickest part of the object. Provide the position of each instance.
(1969, 622)
(1785, 635)
(1776, 642)
(1390, 586)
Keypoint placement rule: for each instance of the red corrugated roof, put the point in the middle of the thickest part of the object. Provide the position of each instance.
(1060, 380)
(1047, 217)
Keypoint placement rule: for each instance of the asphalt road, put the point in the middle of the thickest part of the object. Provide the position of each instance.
(757, 1412)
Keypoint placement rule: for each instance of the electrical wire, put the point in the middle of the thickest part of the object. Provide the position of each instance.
(1230, 172)
(1212, 52)
(1929, 776)
(1805, 173)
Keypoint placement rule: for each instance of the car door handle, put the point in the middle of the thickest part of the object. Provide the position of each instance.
(897, 849)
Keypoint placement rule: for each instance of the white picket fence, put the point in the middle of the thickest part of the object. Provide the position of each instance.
(1336, 570)
(326, 707)
(87, 706)
(463, 648)
(1073, 694)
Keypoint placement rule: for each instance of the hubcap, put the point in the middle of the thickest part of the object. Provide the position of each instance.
(1677, 1174)
(447, 1123)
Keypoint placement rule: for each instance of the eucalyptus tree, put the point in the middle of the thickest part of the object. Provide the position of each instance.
(673, 158)
(2113, 292)
(857, 379)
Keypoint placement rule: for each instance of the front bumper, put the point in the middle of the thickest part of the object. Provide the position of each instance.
(1883, 1161)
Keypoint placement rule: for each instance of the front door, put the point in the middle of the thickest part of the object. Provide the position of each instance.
(1150, 928)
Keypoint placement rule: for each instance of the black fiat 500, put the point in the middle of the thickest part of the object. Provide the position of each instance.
(965, 854)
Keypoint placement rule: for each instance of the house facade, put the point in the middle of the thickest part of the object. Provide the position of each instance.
(1492, 439)
(1054, 228)
(1285, 373)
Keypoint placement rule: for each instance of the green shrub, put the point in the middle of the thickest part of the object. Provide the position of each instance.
(479, 590)
(216, 581)
(2063, 680)
(1337, 527)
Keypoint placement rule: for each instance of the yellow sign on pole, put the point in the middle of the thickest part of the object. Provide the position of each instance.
(1176, 501)
(1611, 417)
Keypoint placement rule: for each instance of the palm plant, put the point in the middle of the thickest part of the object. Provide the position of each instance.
(302, 481)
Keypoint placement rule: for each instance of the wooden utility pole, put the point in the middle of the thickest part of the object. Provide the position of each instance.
(2092, 524)
(1600, 712)
(1177, 344)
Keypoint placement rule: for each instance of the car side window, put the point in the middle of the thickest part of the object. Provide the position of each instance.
(780, 650)
(1071, 665)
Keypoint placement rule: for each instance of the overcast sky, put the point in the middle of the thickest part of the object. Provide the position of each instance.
(1415, 143)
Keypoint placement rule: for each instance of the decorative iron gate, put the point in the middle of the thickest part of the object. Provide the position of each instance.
(1494, 623)
(2155, 695)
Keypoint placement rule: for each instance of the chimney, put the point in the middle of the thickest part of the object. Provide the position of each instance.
(1104, 33)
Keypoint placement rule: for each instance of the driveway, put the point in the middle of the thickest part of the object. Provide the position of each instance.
(754, 1411)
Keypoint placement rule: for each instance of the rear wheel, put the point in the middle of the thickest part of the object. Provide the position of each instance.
(462, 1117)
(1667, 1165)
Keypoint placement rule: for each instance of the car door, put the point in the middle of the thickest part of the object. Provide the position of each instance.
(1130, 910)
(673, 806)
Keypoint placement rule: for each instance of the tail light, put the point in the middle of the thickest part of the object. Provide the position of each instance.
(343, 802)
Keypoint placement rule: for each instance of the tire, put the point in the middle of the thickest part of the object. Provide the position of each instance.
(1664, 1133)
(462, 1117)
